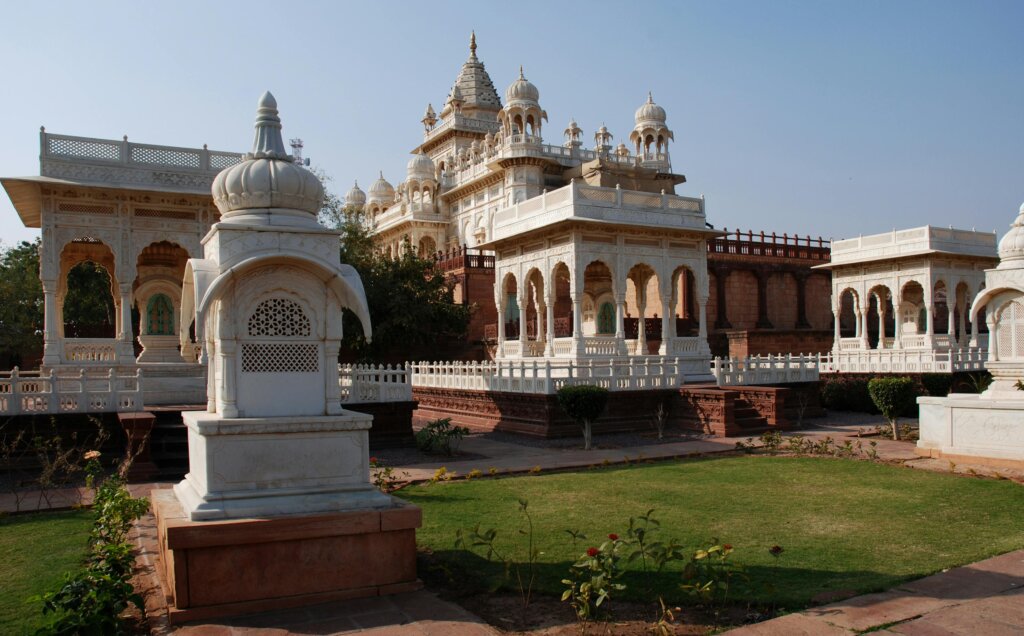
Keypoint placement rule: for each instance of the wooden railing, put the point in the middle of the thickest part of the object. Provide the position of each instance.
(463, 258)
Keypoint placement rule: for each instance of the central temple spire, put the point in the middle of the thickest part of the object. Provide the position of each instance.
(473, 89)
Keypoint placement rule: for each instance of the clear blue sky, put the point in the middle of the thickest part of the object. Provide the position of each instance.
(815, 117)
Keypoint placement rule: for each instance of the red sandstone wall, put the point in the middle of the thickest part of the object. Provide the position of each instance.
(782, 300)
(741, 299)
(819, 301)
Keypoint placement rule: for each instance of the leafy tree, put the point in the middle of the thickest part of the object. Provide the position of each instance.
(89, 305)
(583, 403)
(411, 303)
(892, 396)
(21, 301)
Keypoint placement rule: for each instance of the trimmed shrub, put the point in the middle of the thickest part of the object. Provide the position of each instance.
(892, 396)
(583, 403)
(847, 394)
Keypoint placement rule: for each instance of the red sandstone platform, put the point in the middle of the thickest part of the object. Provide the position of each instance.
(239, 566)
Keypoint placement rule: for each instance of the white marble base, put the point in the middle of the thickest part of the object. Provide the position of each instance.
(973, 426)
(159, 349)
(273, 466)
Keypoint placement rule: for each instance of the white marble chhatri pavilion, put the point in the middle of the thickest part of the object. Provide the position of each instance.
(583, 239)
(901, 300)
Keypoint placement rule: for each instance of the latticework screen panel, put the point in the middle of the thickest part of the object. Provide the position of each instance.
(279, 318)
(259, 357)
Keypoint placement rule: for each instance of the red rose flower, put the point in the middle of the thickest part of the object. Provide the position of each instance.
(592, 552)
(776, 550)
(373, 460)
(727, 546)
(613, 537)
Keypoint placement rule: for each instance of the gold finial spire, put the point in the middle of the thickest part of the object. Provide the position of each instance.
(521, 76)
(472, 43)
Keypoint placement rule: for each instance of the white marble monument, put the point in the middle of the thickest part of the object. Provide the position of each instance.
(267, 300)
(988, 428)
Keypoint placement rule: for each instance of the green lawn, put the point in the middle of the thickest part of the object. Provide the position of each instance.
(35, 552)
(844, 525)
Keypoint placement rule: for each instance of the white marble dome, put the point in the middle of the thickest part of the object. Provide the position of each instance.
(381, 190)
(355, 196)
(420, 168)
(1011, 247)
(268, 178)
(522, 90)
(650, 112)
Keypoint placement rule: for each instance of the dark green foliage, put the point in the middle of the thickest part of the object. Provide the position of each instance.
(937, 384)
(847, 394)
(93, 600)
(583, 402)
(440, 436)
(21, 311)
(892, 396)
(411, 303)
(89, 304)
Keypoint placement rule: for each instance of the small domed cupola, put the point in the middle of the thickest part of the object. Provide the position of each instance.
(381, 191)
(420, 168)
(355, 197)
(1011, 246)
(268, 182)
(521, 118)
(651, 135)
(522, 90)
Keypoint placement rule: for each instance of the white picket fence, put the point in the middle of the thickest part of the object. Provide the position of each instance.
(770, 369)
(374, 383)
(546, 376)
(73, 391)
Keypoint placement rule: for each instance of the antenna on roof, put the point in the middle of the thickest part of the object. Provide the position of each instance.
(296, 145)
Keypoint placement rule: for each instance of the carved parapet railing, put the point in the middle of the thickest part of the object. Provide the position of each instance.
(373, 383)
(548, 375)
(769, 369)
(77, 392)
(89, 350)
(906, 360)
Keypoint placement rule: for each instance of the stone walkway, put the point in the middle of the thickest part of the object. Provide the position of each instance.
(982, 598)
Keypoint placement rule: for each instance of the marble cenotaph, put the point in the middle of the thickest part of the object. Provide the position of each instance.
(277, 508)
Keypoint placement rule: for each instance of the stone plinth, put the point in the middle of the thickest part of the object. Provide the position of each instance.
(159, 349)
(264, 466)
(237, 566)
(967, 427)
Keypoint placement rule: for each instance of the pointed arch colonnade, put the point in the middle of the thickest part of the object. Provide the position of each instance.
(142, 242)
(577, 302)
(909, 312)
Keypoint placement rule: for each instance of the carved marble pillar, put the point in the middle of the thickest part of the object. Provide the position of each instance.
(762, 300)
(549, 328)
(522, 299)
(620, 323)
(332, 386)
(52, 341)
(863, 320)
(950, 324)
(838, 334)
(126, 339)
(668, 314)
(641, 333)
(702, 327)
(882, 313)
(929, 316)
(500, 304)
